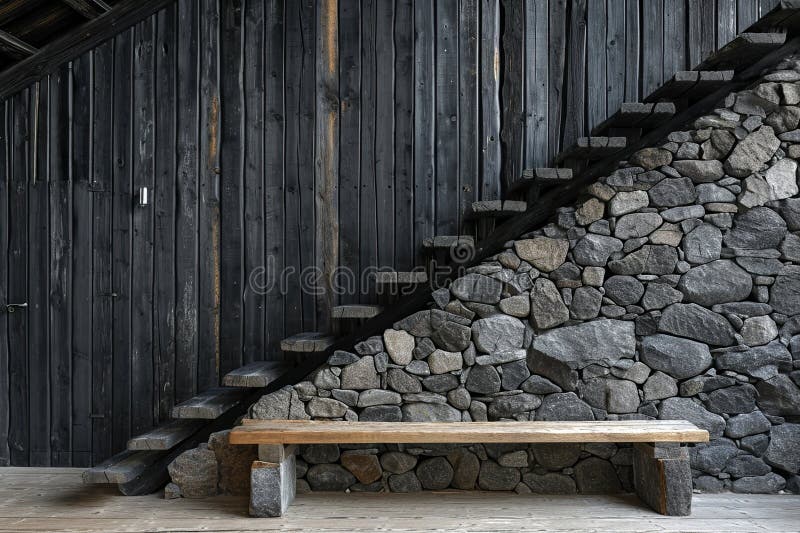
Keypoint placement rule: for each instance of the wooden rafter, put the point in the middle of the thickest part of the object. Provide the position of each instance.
(88, 8)
(15, 46)
(82, 39)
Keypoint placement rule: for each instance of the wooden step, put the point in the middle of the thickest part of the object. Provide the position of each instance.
(591, 148)
(743, 51)
(255, 375)
(691, 85)
(540, 176)
(121, 468)
(637, 115)
(355, 311)
(307, 342)
(495, 209)
(400, 278)
(166, 436)
(442, 242)
(210, 404)
(785, 16)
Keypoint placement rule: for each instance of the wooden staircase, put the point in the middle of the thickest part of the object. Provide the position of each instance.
(530, 201)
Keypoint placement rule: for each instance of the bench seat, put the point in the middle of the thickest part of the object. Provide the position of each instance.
(661, 472)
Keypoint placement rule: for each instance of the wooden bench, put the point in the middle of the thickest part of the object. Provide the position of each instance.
(662, 477)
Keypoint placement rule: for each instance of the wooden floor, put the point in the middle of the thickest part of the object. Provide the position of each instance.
(48, 499)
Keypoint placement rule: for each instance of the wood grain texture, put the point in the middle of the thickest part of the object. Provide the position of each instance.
(5, 182)
(259, 374)
(324, 432)
(164, 436)
(209, 404)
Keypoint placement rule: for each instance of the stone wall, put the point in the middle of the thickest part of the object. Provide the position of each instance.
(670, 291)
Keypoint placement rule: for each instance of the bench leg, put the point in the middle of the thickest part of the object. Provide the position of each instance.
(272, 483)
(663, 478)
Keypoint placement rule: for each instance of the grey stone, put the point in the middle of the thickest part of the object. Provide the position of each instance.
(400, 346)
(517, 459)
(547, 308)
(777, 183)
(708, 484)
(326, 408)
(790, 249)
(677, 214)
(273, 487)
(672, 192)
(440, 383)
(418, 324)
(435, 473)
(762, 362)
(596, 476)
(759, 228)
(649, 259)
(372, 397)
(402, 382)
(637, 372)
(713, 193)
(543, 253)
(612, 395)
(549, 483)
(564, 406)
(518, 306)
(450, 332)
(514, 374)
(784, 295)
(719, 145)
(459, 398)
(483, 380)
(755, 444)
(779, 396)
(326, 379)
(556, 456)
(361, 375)
(717, 282)
(623, 290)
(784, 118)
(752, 152)
(789, 210)
(499, 358)
(370, 346)
(441, 361)
(424, 348)
(466, 468)
(659, 296)
(783, 451)
(637, 225)
(539, 385)
(697, 323)
(430, 412)
(650, 158)
(398, 462)
(319, 453)
(711, 458)
(342, 358)
(700, 171)
(585, 303)
(746, 424)
(759, 330)
(195, 472)
(492, 476)
(767, 484)
(627, 202)
(283, 404)
(688, 150)
(406, 482)
(732, 400)
(703, 244)
(589, 211)
(686, 409)
(498, 333)
(477, 288)
(381, 413)
(508, 406)
(660, 386)
(594, 250)
(329, 477)
(680, 358)
(745, 466)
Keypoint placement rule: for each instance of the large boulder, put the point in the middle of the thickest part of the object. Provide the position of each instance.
(785, 293)
(498, 333)
(783, 451)
(697, 323)
(544, 253)
(752, 152)
(680, 358)
(477, 288)
(686, 409)
(717, 282)
(757, 229)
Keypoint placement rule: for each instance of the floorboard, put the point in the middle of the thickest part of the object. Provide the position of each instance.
(54, 499)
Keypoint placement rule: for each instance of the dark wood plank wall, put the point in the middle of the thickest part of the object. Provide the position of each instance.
(284, 144)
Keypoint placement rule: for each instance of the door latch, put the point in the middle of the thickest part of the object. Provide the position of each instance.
(11, 308)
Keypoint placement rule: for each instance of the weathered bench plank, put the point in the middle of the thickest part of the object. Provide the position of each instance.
(341, 432)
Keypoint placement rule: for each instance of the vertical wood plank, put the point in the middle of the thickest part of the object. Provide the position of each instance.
(702, 34)
(186, 220)
(746, 14)
(674, 37)
(274, 178)
(60, 271)
(82, 296)
(447, 118)
(349, 139)
(424, 124)
(18, 374)
(208, 222)
(726, 22)
(384, 132)
(575, 118)
(39, 279)
(596, 86)
(143, 405)
(615, 55)
(652, 45)
(632, 51)
(122, 230)
(164, 206)
(468, 98)
(765, 6)
(101, 188)
(403, 135)
(513, 121)
(254, 143)
(231, 187)
(490, 156)
(556, 66)
(5, 193)
(368, 215)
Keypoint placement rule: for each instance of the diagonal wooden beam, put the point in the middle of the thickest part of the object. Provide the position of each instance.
(14, 46)
(88, 8)
(82, 39)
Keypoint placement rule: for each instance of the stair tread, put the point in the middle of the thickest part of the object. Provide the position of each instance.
(541, 176)
(691, 84)
(401, 277)
(446, 241)
(255, 375)
(165, 436)
(593, 148)
(311, 341)
(209, 404)
(121, 468)
(356, 311)
(785, 15)
(743, 51)
(640, 115)
(495, 208)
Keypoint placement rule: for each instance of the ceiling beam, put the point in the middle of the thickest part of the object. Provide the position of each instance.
(14, 46)
(88, 8)
(74, 43)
